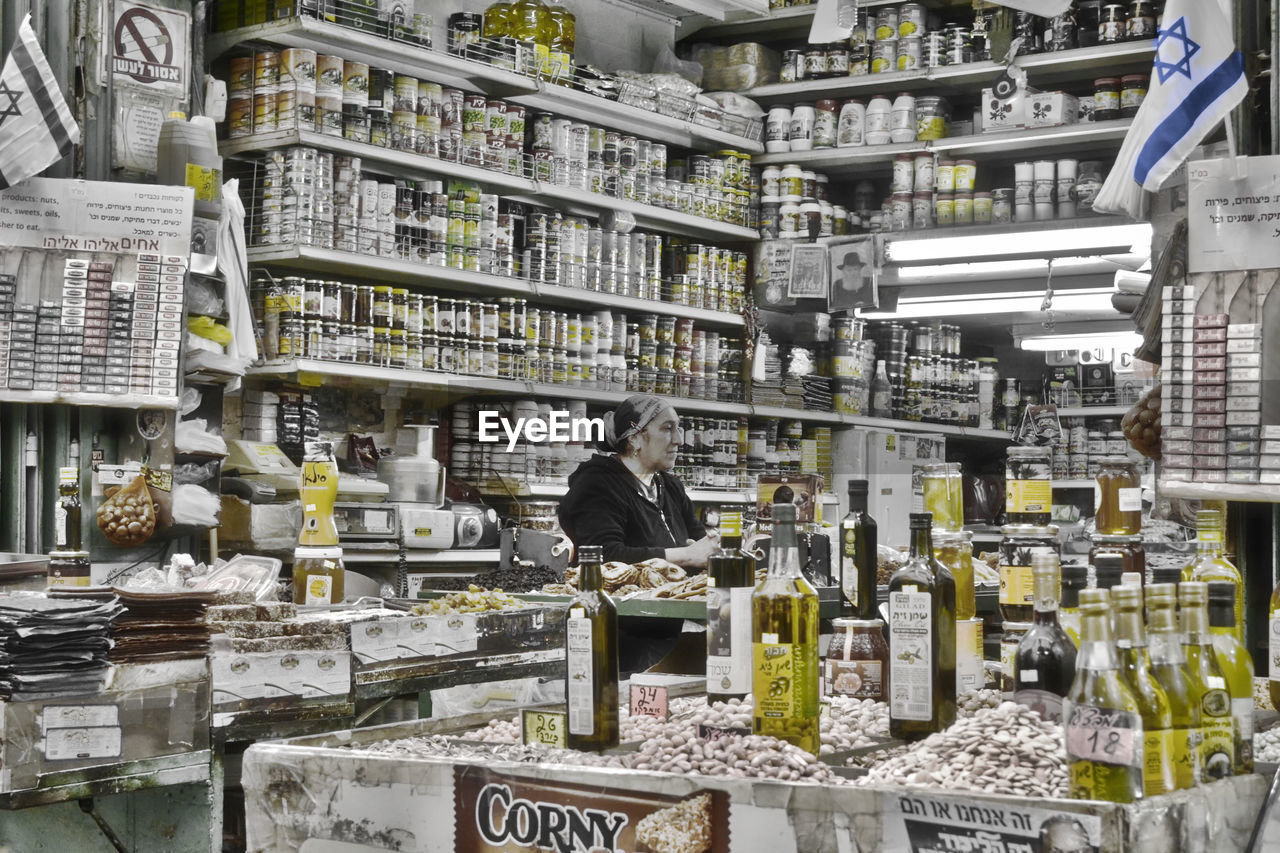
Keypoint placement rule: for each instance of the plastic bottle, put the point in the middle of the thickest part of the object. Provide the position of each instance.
(879, 111)
(902, 119)
(851, 128)
(187, 155)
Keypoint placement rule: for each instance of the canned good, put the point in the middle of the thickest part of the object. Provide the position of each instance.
(910, 54)
(266, 68)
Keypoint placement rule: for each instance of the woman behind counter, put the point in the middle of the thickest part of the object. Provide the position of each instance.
(627, 500)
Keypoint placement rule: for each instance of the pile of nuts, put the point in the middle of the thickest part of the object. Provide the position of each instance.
(1008, 750)
(1266, 746)
(474, 600)
(972, 701)
(733, 755)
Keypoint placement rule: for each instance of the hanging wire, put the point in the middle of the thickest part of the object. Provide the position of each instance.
(1047, 305)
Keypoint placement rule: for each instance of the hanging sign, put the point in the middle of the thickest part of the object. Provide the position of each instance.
(933, 824)
(151, 48)
(1233, 214)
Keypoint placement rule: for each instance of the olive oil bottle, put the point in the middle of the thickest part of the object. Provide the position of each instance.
(731, 580)
(858, 553)
(1217, 747)
(922, 640)
(591, 659)
(784, 634)
(1074, 579)
(1168, 667)
(1237, 666)
(1153, 702)
(66, 512)
(1102, 722)
(1210, 564)
(1046, 657)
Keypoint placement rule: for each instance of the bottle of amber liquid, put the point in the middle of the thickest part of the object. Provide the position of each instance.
(1153, 702)
(784, 627)
(858, 553)
(1120, 497)
(731, 580)
(1046, 661)
(1210, 564)
(1237, 666)
(1103, 728)
(591, 659)
(1168, 667)
(66, 513)
(922, 640)
(1217, 749)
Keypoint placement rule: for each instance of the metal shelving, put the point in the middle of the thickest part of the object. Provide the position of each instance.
(1092, 411)
(88, 398)
(1219, 491)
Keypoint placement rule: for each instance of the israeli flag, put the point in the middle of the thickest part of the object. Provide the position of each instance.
(1196, 80)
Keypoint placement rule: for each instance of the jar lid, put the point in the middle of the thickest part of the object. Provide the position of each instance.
(831, 104)
(1007, 626)
(68, 555)
(1040, 530)
(1106, 81)
(1134, 78)
(312, 552)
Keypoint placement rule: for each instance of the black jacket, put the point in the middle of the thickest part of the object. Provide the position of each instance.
(606, 506)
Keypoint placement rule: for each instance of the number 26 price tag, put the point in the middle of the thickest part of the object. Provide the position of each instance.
(544, 728)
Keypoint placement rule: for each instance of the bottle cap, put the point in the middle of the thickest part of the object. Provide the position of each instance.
(69, 475)
(1164, 593)
(591, 554)
(859, 487)
(1193, 593)
(921, 520)
(1098, 598)
(1075, 575)
(784, 513)
(1126, 596)
(1222, 591)
(1166, 575)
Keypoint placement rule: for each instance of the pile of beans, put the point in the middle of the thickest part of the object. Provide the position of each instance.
(1006, 750)
(973, 701)
(1266, 746)
(757, 756)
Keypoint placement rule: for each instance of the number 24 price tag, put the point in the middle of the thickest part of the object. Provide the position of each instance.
(544, 728)
(649, 700)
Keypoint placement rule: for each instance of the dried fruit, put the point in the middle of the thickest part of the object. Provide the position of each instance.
(1141, 424)
(128, 517)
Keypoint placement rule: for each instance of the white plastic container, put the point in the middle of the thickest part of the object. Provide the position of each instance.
(902, 120)
(878, 114)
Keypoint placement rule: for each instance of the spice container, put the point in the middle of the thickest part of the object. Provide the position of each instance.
(857, 659)
(1020, 543)
(1028, 489)
(1120, 497)
(933, 118)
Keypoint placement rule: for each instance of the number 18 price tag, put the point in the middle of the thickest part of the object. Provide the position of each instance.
(544, 728)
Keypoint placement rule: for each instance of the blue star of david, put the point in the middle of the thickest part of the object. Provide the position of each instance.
(10, 109)
(1176, 32)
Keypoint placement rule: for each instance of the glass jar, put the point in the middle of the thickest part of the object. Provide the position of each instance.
(1133, 91)
(1020, 543)
(1142, 20)
(1009, 642)
(317, 576)
(1119, 497)
(943, 496)
(955, 551)
(1113, 24)
(1132, 554)
(1106, 98)
(824, 123)
(857, 663)
(933, 118)
(1028, 485)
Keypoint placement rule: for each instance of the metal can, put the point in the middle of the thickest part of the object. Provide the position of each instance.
(266, 68)
(884, 56)
(240, 115)
(911, 20)
(910, 52)
(355, 83)
(240, 77)
(265, 104)
(887, 23)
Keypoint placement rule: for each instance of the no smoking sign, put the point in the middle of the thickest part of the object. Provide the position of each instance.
(150, 48)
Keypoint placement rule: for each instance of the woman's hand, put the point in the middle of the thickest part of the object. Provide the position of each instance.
(694, 554)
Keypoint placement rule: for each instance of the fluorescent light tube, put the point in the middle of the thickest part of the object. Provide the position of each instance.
(1075, 240)
(1123, 341)
(968, 305)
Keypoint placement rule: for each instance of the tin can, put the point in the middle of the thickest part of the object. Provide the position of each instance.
(297, 68)
(240, 76)
(887, 21)
(266, 68)
(910, 52)
(264, 109)
(355, 83)
(790, 69)
(329, 74)
(884, 56)
(240, 116)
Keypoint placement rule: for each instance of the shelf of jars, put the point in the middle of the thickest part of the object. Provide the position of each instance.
(507, 487)
(672, 120)
(87, 398)
(332, 262)
(791, 22)
(1255, 493)
(1076, 140)
(408, 164)
(1044, 69)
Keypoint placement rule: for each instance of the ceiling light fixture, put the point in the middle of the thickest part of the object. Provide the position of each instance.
(1094, 300)
(1132, 238)
(1123, 341)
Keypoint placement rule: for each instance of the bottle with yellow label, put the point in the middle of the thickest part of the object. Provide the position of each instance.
(1101, 719)
(591, 659)
(1028, 485)
(1237, 666)
(1168, 667)
(319, 491)
(1210, 564)
(1217, 749)
(784, 633)
(1153, 702)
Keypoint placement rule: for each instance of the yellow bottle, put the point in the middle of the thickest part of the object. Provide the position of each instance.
(496, 21)
(529, 22)
(318, 492)
(1237, 666)
(1153, 702)
(1209, 563)
(1208, 683)
(564, 35)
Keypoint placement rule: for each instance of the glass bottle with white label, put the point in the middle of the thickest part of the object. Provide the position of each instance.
(1046, 660)
(1102, 725)
(731, 580)
(591, 658)
(1153, 702)
(784, 633)
(922, 640)
(1168, 667)
(1237, 666)
(1211, 564)
(1119, 497)
(1217, 746)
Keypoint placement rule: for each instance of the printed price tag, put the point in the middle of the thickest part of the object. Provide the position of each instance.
(713, 733)
(1101, 734)
(649, 700)
(543, 728)
(71, 744)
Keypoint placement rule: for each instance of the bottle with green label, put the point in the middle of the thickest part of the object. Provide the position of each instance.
(1046, 659)
(731, 580)
(1153, 702)
(1237, 666)
(1211, 564)
(784, 634)
(1102, 722)
(922, 640)
(1169, 668)
(591, 658)
(858, 553)
(1217, 747)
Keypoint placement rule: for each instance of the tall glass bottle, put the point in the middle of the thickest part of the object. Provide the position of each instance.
(858, 553)
(591, 658)
(1103, 726)
(922, 640)
(318, 492)
(784, 634)
(1273, 647)
(66, 513)
(496, 21)
(1168, 666)
(881, 393)
(1046, 663)
(731, 580)
(1209, 563)
(1074, 579)
(1217, 746)
(1153, 703)
(1237, 666)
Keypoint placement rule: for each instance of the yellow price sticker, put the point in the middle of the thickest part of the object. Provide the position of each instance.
(544, 728)
(308, 379)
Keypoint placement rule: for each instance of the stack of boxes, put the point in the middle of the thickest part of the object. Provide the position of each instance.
(1269, 460)
(1180, 430)
(1209, 398)
(258, 415)
(22, 347)
(8, 289)
(1244, 402)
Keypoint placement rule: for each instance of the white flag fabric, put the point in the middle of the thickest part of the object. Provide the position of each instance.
(1048, 8)
(1196, 80)
(36, 125)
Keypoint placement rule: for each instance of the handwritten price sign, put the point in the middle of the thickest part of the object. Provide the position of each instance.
(649, 700)
(544, 728)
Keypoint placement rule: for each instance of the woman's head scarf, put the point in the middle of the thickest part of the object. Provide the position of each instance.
(632, 416)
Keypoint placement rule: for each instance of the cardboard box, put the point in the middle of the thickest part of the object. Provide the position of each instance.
(1049, 109)
(1000, 115)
